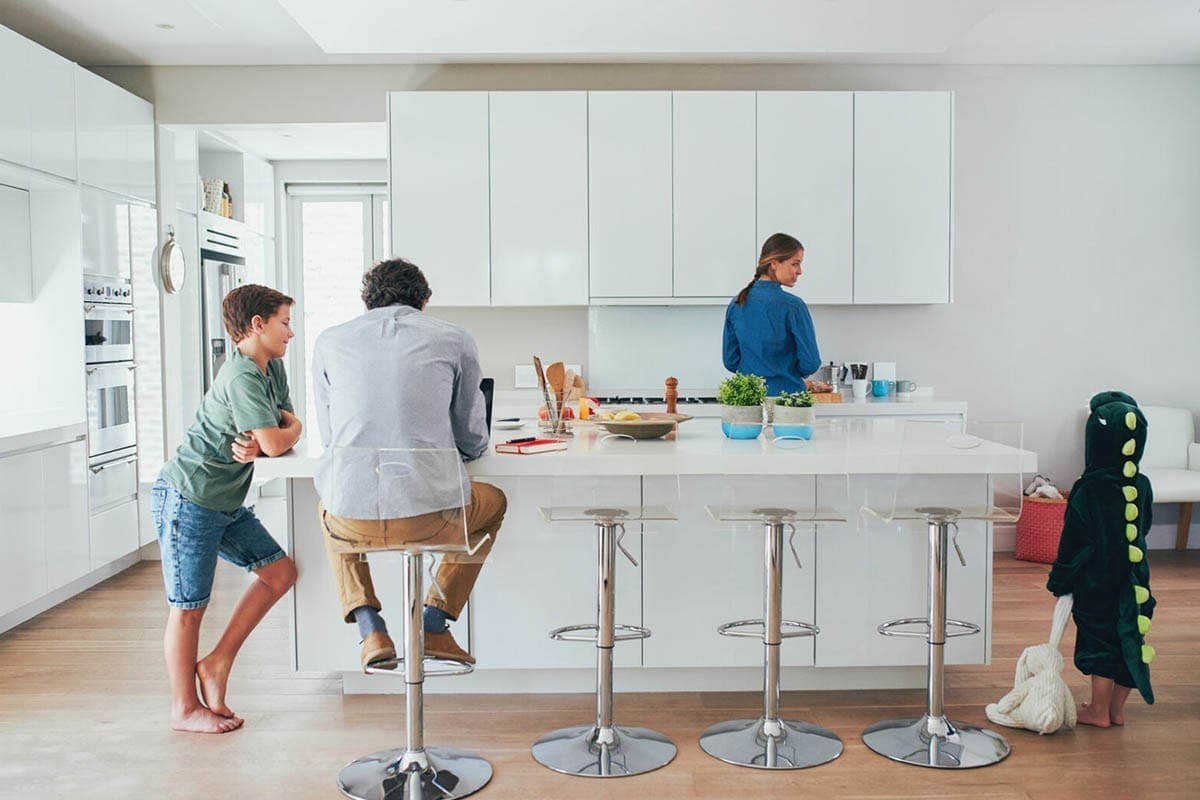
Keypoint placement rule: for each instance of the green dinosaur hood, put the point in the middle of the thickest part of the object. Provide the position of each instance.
(1116, 433)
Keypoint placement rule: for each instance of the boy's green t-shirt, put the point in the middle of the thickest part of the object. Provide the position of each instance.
(241, 399)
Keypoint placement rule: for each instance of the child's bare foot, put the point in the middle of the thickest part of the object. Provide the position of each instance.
(201, 720)
(214, 676)
(1089, 715)
(1116, 717)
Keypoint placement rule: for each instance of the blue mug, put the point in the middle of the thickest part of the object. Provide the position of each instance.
(880, 388)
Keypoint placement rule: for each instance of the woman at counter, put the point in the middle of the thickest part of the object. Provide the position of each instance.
(768, 331)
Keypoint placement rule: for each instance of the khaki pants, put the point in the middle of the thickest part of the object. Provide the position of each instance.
(346, 538)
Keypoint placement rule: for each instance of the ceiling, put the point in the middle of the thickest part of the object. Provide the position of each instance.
(247, 32)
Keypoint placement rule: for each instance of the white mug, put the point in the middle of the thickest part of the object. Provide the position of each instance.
(860, 387)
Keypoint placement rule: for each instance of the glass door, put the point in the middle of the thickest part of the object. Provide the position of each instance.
(336, 234)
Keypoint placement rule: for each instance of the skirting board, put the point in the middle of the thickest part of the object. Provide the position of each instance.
(640, 679)
(30, 610)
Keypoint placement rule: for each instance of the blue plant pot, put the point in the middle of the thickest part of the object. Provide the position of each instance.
(798, 431)
(735, 430)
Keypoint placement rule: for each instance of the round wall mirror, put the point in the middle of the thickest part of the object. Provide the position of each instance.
(172, 267)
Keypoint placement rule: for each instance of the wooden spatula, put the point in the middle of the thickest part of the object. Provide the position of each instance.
(555, 373)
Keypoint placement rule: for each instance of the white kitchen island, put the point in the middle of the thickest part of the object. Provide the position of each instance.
(692, 575)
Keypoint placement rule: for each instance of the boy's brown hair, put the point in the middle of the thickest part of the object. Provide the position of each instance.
(244, 303)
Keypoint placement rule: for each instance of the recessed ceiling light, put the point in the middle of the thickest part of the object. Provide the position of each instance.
(166, 26)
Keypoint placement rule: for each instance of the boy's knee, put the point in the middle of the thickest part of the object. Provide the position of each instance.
(190, 616)
(280, 575)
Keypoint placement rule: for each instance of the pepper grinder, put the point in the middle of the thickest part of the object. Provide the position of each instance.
(672, 394)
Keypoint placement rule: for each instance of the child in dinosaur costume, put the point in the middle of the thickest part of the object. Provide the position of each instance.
(1102, 560)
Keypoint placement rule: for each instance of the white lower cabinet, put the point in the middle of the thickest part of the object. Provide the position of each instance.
(68, 544)
(22, 532)
(542, 576)
(114, 533)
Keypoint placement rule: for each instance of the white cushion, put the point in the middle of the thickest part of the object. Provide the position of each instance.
(1169, 433)
(1175, 485)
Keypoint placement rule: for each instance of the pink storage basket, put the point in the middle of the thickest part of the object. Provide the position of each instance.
(1039, 529)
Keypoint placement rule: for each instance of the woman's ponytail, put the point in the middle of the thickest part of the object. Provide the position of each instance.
(744, 294)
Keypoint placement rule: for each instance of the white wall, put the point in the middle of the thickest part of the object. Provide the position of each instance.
(1077, 203)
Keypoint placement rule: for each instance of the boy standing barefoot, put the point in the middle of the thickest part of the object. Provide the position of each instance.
(197, 506)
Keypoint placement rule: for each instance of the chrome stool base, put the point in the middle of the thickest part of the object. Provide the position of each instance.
(795, 745)
(448, 773)
(578, 751)
(936, 742)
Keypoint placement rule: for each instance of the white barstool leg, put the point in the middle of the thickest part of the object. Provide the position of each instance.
(934, 740)
(770, 742)
(604, 749)
(415, 772)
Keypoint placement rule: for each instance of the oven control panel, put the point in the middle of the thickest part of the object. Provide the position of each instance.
(107, 290)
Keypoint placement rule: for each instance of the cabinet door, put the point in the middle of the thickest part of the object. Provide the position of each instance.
(22, 535)
(105, 233)
(187, 170)
(714, 230)
(15, 121)
(68, 544)
(902, 196)
(259, 195)
(52, 111)
(439, 191)
(539, 198)
(99, 110)
(629, 194)
(137, 122)
(806, 185)
(114, 533)
(698, 574)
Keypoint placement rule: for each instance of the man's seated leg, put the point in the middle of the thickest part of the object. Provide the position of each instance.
(352, 579)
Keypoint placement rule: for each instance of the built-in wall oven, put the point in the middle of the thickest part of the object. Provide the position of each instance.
(112, 421)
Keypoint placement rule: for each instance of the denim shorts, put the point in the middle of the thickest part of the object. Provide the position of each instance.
(192, 536)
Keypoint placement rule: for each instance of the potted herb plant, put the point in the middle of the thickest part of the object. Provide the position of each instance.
(742, 399)
(794, 415)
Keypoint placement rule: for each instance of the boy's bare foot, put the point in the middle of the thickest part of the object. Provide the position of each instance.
(1116, 717)
(1089, 715)
(201, 720)
(214, 676)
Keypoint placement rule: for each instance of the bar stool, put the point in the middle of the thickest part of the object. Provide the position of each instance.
(604, 749)
(934, 740)
(432, 478)
(770, 742)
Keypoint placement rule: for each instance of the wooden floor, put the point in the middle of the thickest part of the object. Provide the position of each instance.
(83, 701)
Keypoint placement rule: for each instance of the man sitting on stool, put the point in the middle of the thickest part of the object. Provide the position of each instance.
(394, 378)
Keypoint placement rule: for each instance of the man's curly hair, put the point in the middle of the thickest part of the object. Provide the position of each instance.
(395, 282)
(243, 304)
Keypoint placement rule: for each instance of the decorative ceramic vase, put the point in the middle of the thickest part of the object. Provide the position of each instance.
(797, 422)
(742, 422)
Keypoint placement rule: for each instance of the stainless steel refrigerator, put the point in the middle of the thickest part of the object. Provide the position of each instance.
(222, 269)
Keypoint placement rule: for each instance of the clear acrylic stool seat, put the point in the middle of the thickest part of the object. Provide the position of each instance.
(933, 739)
(416, 771)
(770, 741)
(604, 749)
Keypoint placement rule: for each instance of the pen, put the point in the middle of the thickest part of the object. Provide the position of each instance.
(522, 441)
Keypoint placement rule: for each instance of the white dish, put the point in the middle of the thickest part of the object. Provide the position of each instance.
(508, 425)
(963, 441)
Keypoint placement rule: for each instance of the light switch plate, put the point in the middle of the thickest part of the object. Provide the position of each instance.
(524, 377)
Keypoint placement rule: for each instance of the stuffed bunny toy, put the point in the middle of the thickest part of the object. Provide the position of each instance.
(1040, 700)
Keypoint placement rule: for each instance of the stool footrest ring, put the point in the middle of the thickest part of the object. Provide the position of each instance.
(445, 667)
(954, 627)
(797, 629)
(569, 633)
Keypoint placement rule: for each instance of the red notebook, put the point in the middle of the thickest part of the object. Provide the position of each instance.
(536, 446)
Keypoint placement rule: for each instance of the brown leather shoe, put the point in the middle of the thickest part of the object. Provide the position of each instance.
(378, 647)
(442, 645)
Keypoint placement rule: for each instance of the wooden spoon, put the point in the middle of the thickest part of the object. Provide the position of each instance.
(555, 373)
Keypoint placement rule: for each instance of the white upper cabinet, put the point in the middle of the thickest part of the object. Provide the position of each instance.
(105, 243)
(187, 170)
(115, 137)
(37, 106)
(806, 185)
(439, 191)
(714, 193)
(539, 213)
(902, 196)
(51, 111)
(629, 193)
(260, 200)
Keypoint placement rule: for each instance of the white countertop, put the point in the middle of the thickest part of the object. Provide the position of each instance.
(869, 446)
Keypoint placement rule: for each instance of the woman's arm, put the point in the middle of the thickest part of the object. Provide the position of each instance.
(800, 324)
(731, 354)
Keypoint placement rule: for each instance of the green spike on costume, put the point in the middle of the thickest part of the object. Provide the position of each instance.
(1102, 551)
